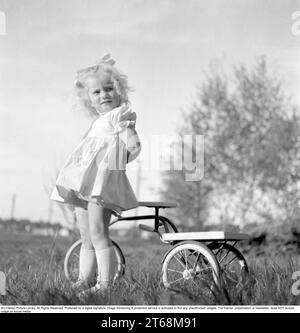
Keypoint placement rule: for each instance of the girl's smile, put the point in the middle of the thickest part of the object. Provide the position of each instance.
(102, 93)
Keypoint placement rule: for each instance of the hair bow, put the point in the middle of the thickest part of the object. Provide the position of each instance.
(106, 59)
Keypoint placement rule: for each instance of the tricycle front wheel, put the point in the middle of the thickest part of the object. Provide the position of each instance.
(71, 262)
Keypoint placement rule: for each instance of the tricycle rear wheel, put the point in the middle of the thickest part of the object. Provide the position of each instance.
(232, 263)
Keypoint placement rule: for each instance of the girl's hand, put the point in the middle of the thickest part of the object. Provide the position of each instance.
(127, 117)
(123, 117)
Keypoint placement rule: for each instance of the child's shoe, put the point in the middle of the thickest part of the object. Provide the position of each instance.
(100, 288)
(81, 285)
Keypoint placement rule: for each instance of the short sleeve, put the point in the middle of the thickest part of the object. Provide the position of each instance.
(121, 118)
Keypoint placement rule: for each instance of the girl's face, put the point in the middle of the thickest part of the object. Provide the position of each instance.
(102, 93)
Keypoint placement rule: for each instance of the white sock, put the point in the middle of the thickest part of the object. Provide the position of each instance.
(87, 264)
(107, 264)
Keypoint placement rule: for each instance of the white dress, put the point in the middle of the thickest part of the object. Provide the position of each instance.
(95, 171)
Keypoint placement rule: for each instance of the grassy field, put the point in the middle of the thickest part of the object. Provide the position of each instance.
(34, 269)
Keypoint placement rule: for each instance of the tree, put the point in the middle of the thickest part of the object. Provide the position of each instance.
(251, 132)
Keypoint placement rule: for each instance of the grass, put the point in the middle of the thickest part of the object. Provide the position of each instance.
(34, 269)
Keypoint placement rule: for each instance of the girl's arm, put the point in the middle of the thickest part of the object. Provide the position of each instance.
(132, 142)
(123, 121)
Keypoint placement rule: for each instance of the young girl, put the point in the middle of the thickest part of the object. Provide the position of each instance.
(94, 180)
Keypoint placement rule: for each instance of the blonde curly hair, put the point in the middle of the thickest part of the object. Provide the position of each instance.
(104, 67)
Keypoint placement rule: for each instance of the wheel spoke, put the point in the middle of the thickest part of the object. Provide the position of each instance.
(224, 256)
(179, 260)
(174, 270)
(190, 258)
(230, 277)
(206, 265)
(219, 249)
(185, 258)
(176, 280)
(196, 261)
(204, 270)
(228, 263)
(195, 283)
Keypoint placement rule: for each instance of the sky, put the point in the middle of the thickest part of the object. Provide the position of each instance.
(164, 46)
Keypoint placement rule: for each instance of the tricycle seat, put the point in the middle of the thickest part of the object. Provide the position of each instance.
(158, 204)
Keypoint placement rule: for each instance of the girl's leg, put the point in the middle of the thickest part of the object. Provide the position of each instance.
(87, 257)
(99, 219)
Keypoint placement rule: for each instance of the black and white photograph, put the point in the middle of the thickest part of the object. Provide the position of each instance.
(149, 157)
